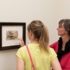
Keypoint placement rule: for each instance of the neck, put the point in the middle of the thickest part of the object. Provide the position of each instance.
(34, 41)
(65, 39)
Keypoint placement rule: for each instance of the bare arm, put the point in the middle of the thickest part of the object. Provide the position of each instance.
(21, 42)
(56, 65)
(20, 64)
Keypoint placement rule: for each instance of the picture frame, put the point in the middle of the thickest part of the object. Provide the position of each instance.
(10, 33)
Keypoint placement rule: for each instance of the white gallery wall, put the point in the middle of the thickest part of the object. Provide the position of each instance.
(49, 11)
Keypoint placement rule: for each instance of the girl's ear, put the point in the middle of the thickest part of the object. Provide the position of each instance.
(30, 33)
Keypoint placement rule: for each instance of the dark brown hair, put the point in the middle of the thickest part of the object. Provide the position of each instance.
(40, 33)
(66, 23)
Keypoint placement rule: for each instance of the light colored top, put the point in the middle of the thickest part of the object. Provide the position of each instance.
(42, 60)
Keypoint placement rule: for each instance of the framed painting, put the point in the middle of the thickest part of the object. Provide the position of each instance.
(10, 32)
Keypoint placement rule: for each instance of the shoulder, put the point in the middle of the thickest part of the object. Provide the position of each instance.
(54, 44)
(21, 49)
(51, 50)
(21, 52)
(52, 53)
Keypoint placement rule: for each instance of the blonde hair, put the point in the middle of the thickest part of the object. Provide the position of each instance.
(40, 33)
